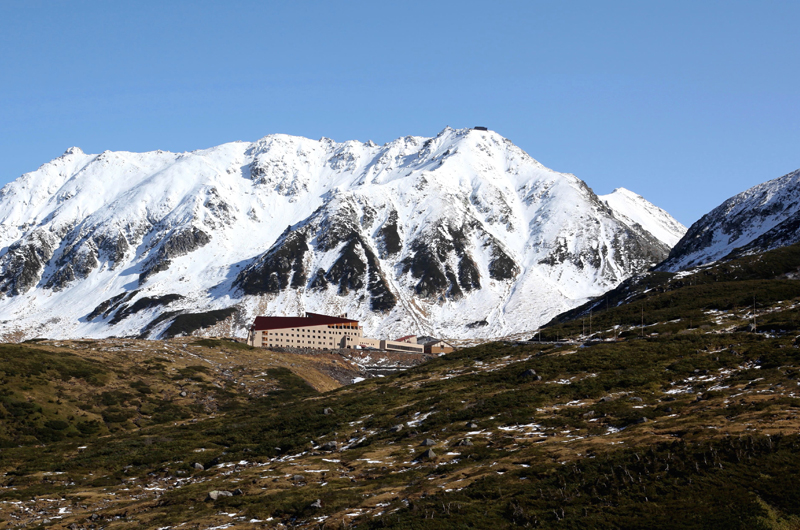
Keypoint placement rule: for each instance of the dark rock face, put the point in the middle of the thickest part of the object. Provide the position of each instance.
(281, 266)
(177, 243)
(381, 297)
(390, 242)
(82, 251)
(428, 262)
(113, 248)
(72, 266)
(358, 263)
(318, 281)
(118, 307)
(468, 276)
(109, 306)
(349, 269)
(425, 265)
(146, 302)
(163, 317)
(188, 323)
(356, 268)
(502, 267)
(22, 266)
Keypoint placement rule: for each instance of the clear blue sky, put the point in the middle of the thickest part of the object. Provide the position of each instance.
(684, 102)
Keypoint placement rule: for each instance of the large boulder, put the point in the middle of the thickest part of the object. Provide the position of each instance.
(217, 494)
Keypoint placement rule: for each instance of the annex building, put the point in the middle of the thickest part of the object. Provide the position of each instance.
(321, 332)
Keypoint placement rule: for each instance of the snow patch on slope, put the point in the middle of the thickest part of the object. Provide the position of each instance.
(633, 208)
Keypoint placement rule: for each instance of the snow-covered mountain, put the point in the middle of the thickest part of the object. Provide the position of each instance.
(633, 208)
(460, 235)
(764, 217)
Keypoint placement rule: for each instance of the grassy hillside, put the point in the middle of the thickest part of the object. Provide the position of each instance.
(693, 426)
(675, 302)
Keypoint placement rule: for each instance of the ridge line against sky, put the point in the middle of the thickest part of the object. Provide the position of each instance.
(685, 103)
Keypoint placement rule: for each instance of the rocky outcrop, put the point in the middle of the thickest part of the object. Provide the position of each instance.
(278, 268)
(176, 243)
(23, 264)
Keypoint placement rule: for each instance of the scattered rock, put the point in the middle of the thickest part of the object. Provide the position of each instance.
(472, 425)
(641, 420)
(183, 393)
(397, 428)
(530, 372)
(238, 491)
(298, 478)
(668, 410)
(216, 494)
(427, 442)
(464, 443)
(428, 454)
(317, 504)
(329, 446)
(605, 399)
(634, 398)
(198, 466)
(327, 411)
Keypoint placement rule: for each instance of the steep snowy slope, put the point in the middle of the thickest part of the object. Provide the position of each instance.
(633, 208)
(764, 217)
(459, 235)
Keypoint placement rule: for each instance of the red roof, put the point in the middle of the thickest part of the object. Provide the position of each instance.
(403, 339)
(311, 319)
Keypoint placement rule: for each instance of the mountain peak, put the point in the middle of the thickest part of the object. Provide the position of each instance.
(459, 235)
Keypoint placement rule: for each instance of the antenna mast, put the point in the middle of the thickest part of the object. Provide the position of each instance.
(642, 321)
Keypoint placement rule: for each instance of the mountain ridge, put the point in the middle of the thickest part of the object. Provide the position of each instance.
(761, 218)
(404, 236)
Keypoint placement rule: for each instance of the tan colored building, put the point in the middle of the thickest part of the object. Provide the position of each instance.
(438, 347)
(389, 345)
(311, 331)
(321, 332)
